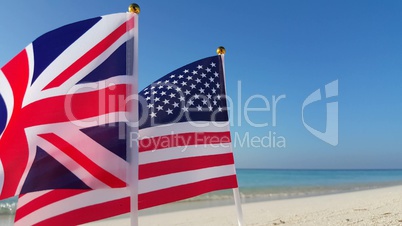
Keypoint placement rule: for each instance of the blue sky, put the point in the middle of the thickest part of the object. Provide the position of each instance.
(274, 48)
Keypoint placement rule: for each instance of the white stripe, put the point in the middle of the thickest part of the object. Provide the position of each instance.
(183, 152)
(96, 86)
(23, 200)
(183, 127)
(176, 179)
(92, 197)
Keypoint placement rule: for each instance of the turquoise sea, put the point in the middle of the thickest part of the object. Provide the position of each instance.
(263, 184)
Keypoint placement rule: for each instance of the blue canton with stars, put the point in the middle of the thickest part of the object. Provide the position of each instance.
(195, 92)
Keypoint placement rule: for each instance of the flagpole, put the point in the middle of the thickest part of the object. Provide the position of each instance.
(236, 193)
(132, 128)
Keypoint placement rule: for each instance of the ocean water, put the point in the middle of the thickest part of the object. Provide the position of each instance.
(262, 184)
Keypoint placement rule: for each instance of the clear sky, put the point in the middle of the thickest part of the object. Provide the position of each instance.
(281, 50)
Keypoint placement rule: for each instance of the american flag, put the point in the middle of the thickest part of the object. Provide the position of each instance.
(184, 151)
(59, 98)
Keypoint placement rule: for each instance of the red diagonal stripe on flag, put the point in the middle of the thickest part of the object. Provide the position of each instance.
(75, 154)
(90, 55)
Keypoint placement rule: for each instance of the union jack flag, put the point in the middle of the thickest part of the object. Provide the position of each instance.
(59, 99)
(184, 151)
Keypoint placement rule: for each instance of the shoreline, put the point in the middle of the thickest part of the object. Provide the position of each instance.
(380, 206)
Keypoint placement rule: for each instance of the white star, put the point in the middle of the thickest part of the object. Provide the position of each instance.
(213, 64)
(216, 74)
(194, 72)
(199, 67)
(181, 98)
(190, 102)
(150, 106)
(183, 83)
(166, 101)
(160, 87)
(154, 92)
(172, 95)
(175, 105)
(178, 89)
(189, 77)
(153, 114)
(202, 90)
(174, 82)
(169, 88)
(185, 109)
(163, 93)
(210, 108)
(166, 81)
(156, 99)
(199, 108)
(148, 98)
(213, 90)
(198, 80)
(218, 97)
(153, 87)
(196, 96)
(218, 85)
(203, 75)
(181, 76)
(209, 96)
(146, 89)
(159, 82)
(192, 86)
(169, 111)
(211, 79)
(185, 71)
(219, 109)
(146, 92)
(215, 102)
(204, 101)
(159, 108)
(206, 84)
(208, 69)
(172, 76)
(187, 92)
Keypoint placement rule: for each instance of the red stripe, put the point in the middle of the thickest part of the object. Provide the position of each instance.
(184, 164)
(183, 139)
(13, 145)
(83, 160)
(90, 213)
(90, 55)
(163, 196)
(78, 106)
(44, 200)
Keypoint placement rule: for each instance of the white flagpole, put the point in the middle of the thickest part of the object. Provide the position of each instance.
(236, 194)
(132, 128)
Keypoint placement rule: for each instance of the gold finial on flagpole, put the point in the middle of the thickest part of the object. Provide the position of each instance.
(221, 50)
(134, 8)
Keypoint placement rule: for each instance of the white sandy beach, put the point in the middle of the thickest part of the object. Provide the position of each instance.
(370, 207)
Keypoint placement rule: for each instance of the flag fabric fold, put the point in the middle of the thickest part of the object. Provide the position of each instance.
(184, 150)
(59, 99)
